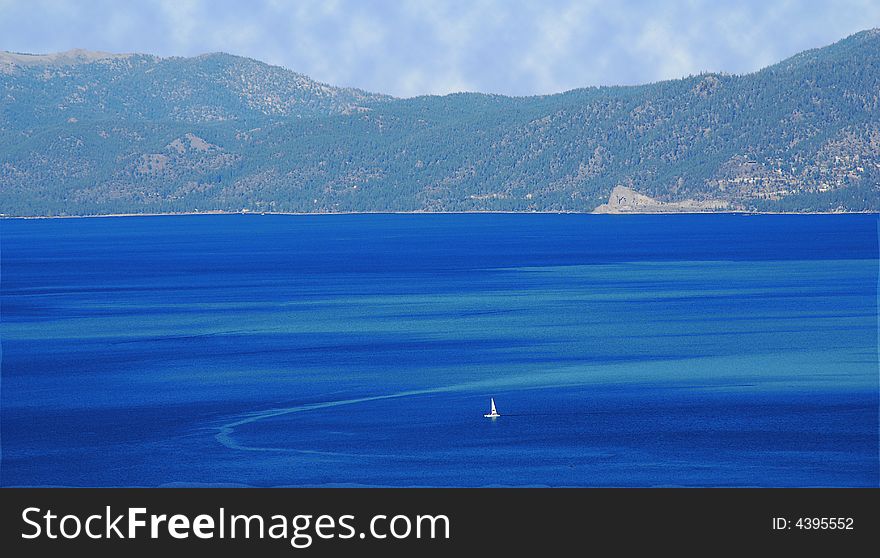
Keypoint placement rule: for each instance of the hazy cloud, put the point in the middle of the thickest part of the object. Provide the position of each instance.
(411, 47)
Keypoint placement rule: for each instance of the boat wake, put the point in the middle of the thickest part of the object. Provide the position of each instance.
(225, 434)
(556, 378)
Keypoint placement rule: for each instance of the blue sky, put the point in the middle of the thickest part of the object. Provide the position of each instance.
(412, 47)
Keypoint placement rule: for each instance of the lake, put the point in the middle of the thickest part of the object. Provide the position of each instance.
(640, 350)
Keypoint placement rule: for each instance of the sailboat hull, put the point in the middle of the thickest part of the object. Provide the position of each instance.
(492, 415)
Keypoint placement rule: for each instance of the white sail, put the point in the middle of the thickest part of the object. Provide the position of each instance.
(493, 413)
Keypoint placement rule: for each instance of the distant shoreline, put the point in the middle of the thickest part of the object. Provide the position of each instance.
(303, 214)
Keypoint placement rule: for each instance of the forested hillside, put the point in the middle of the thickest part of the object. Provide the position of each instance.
(93, 133)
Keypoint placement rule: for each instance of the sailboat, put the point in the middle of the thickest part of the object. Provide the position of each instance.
(493, 413)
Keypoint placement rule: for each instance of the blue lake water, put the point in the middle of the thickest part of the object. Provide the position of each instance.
(681, 350)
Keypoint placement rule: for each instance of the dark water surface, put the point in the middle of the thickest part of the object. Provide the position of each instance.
(694, 350)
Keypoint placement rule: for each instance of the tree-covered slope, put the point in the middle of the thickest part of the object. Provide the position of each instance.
(134, 133)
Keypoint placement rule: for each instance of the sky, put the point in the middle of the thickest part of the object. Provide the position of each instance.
(415, 47)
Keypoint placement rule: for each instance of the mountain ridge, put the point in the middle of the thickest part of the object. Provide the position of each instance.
(136, 133)
(93, 55)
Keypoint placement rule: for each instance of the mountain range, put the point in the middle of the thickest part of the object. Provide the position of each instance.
(89, 133)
